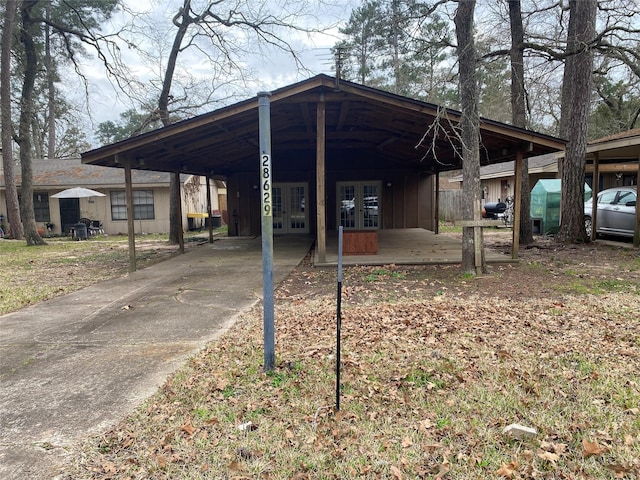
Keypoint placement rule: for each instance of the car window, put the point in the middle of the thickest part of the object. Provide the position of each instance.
(626, 197)
(607, 197)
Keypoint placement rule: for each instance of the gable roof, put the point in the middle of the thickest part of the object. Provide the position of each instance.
(360, 119)
(70, 172)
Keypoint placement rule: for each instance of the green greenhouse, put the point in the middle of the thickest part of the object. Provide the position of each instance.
(545, 205)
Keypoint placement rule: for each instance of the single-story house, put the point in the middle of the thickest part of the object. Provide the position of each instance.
(150, 195)
(341, 154)
(618, 163)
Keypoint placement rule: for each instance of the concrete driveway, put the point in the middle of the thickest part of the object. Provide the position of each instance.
(75, 365)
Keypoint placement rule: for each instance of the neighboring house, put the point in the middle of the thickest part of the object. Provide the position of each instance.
(498, 180)
(618, 160)
(150, 196)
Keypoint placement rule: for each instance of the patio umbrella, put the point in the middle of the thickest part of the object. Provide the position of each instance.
(78, 192)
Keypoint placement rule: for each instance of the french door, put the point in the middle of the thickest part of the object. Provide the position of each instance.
(358, 205)
(290, 212)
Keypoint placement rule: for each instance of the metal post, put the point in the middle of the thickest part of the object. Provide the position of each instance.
(339, 319)
(264, 116)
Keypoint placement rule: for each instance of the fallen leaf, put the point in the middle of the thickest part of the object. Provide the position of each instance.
(406, 442)
(444, 469)
(549, 456)
(395, 471)
(507, 470)
(188, 428)
(591, 448)
(235, 467)
(620, 470)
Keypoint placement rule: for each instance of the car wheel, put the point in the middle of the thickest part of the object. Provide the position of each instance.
(588, 225)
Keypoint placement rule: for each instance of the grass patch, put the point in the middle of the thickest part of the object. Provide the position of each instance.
(586, 286)
(62, 266)
(382, 274)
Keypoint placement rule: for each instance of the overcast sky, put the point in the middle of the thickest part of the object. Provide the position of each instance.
(153, 32)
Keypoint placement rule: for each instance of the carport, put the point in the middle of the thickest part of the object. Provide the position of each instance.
(619, 153)
(342, 154)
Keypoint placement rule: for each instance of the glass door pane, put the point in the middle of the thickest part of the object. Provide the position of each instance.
(297, 214)
(370, 218)
(347, 205)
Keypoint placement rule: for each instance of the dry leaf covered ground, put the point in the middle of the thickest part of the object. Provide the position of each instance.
(434, 366)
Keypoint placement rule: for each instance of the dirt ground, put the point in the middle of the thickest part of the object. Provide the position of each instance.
(544, 267)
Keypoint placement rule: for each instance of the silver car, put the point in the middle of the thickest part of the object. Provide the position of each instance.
(616, 212)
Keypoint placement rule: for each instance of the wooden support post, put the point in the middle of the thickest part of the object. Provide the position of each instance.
(636, 233)
(595, 188)
(209, 209)
(179, 212)
(130, 220)
(436, 206)
(515, 242)
(321, 216)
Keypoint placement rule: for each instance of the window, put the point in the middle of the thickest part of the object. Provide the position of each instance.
(142, 205)
(41, 207)
(626, 197)
(607, 197)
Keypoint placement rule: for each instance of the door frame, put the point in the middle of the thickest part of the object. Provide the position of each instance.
(359, 204)
(285, 199)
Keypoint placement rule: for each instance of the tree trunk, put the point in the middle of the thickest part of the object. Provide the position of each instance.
(24, 130)
(470, 125)
(51, 100)
(182, 21)
(518, 113)
(575, 118)
(11, 192)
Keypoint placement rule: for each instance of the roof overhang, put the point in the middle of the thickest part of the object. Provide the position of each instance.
(622, 147)
(360, 121)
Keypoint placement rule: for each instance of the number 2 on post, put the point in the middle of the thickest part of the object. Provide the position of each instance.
(265, 170)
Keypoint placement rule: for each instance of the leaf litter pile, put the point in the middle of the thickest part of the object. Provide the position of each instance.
(435, 367)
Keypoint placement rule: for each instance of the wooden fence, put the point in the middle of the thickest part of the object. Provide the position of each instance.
(450, 205)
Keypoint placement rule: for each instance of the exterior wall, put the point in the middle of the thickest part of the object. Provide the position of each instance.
(243, 204)
(406, 198)
(194, 199)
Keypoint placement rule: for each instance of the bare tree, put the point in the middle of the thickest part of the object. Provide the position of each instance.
(11, 191)
(575, 117)
(222, 23)
(470, 126)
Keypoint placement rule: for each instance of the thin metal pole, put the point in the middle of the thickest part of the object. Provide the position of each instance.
(264, 118)
(339, 319)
